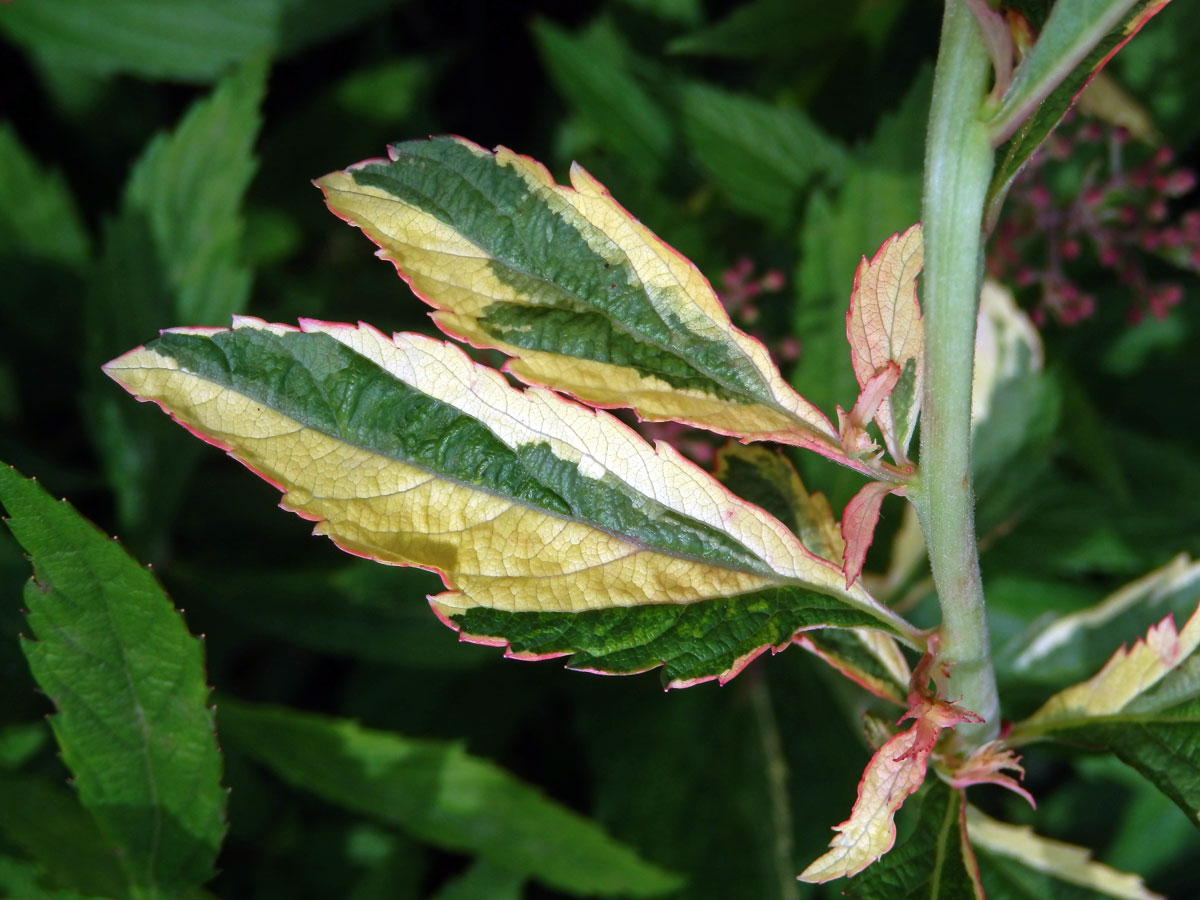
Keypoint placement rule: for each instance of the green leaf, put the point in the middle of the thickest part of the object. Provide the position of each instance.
(187, 40)
(441, 794)
(935, 863)
(47, 823)
(20, 742)
(38, 215)
(684, 12)
(759, 154)
(1143, 706)
(172, 254)
(386, 93)
(128, 683)
(1014, 408)
(483, 881)
(783, 29)
(1077, 39)
(20, 878)
(592, 71)
(352, 611)
(1161, 69)
(188, 187)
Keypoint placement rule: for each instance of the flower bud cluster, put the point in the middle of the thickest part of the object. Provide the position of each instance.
(1101, 210)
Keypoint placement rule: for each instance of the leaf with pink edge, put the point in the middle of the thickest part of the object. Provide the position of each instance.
(1143, 706)
(895, 772)
(936, 862)
(582, 296)
(558, 529)
(883, 325)
(858, 524)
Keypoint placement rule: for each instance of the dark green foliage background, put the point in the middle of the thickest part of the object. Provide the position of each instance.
(789, 132)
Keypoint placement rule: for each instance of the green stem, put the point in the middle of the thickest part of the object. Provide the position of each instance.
(958, 167)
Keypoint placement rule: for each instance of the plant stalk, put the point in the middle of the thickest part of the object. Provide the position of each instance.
(958, 166)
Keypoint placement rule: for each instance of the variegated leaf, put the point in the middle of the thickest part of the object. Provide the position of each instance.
(582, 295)
(1044, 865)
(895, 772)
(559, 530)
(1144, 706)
(884, 326)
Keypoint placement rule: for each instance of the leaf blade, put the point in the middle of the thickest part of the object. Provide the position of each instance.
(1144, 706)
(884, 325)
(583, 296)
(1054, 862)
(127, 680)
(443, 795)
(404, 451)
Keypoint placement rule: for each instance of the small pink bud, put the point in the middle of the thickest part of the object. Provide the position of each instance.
(1179, 182)
(773, 281)
(1069, 249)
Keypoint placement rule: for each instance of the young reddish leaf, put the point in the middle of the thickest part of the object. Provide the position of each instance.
(858, 525)
(987, 765)
(883, 325)
(852, 426)
(558, 529)
(936, 862)
(585, 298)
(895, 771)
(1061, 862)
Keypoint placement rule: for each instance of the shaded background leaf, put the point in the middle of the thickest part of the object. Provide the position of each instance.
(128, 683)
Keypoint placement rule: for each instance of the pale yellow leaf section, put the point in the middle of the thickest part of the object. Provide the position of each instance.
(1130, 672)
(1065, 862)
(455, 277)
(884, 322)
(655, 400)
(896, 770)
(1178, 574)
